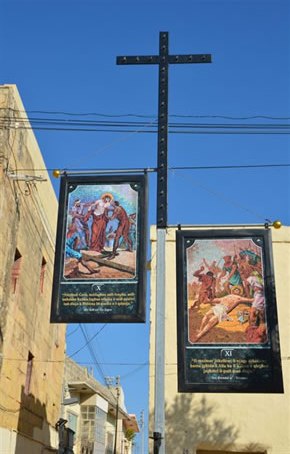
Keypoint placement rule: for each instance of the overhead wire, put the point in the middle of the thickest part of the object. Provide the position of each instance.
(245, 166)
(18, 121)
(87, 340)
(74, 331)
(96, 362)
(92, 352)
(199, 129)
(89, 363)
(114, 142)
(105, 115)
(88, 125)
(226, 198)
(134, 371)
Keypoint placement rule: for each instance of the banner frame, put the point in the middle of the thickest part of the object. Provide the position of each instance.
(185, 384)
(139, 314)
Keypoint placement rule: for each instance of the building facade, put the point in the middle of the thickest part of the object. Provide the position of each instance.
(31, 349)
(96, 414)
(207, 423)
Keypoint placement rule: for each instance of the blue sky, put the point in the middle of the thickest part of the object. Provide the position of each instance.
(62, 57)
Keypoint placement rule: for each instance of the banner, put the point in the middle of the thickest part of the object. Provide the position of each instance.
(227, 325)
(100, 259)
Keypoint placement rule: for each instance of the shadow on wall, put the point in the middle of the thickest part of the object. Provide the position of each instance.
(190, 424)
(257, 448)
(32, 425)
(1, 348)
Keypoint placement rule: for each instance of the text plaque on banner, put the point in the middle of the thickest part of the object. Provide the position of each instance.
(227, 326)
(100, 260)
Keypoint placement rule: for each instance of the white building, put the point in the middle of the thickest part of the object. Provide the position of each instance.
(97, 414)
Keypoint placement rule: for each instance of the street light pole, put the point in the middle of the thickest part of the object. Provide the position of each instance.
(117, 413)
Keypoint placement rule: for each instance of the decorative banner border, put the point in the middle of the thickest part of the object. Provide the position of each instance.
(100, 258)
(227, 326)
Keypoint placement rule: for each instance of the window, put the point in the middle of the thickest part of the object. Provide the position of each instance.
(15, 272)
(101, 417)
(110, 443)
(42, 273)
(72, 421)
(28, 373)
(88, 414)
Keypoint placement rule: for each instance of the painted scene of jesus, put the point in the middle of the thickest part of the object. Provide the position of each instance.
(101, 232)
(225, 288)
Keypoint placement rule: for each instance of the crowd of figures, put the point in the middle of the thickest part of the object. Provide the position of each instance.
(103, 226)
(239, 279)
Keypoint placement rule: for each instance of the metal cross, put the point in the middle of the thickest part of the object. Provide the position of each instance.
(163, 60)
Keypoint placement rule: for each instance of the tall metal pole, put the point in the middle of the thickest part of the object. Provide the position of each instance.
(117, 413)
(163, 60)
(142, 431)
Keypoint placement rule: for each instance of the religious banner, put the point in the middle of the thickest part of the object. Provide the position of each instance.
(227, 326)
(100, 260)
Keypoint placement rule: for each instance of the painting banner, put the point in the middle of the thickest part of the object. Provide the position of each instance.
(227, 326)
(100, 259)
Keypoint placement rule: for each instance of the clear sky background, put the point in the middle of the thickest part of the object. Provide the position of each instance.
(62, 57)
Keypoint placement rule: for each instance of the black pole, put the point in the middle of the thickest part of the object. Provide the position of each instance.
(162, 148)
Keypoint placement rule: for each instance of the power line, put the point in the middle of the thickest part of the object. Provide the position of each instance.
(74, 331)
(18, 121)
(92, 352)
(98, 114)
(213, 129)
(80, 114)
(222, 196)
(87, 340)
(117, 126)
(123, 364)
(96, 362)
(247, 166)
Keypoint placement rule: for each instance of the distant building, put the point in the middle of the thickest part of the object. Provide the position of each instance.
(221, 423)
(31, 349)
(92, 411)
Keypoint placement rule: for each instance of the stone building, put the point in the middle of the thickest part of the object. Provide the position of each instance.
(219, 423)
(96, 413)
(31, 349)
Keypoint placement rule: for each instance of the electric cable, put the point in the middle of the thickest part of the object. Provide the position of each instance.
(80, 125)
(16, 122)
(87, 340)
(134, 371)
(226, 117)
(74, 331)
(96, 362)
(210, 130)
(92, 352)
(226, 198)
